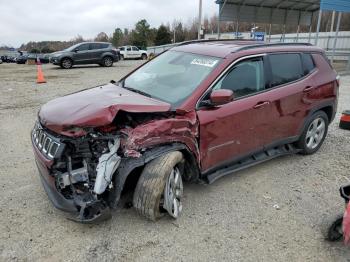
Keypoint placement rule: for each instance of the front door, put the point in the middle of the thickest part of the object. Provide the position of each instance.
(81, 54)
(236, 129)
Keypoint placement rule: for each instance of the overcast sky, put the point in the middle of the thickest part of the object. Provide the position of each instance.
(36, 20)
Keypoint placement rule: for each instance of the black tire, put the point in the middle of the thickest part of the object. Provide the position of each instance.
(107, 61)
(143, 56)
(150, 187)
(66, 63)
(333, 230)
(303, 140)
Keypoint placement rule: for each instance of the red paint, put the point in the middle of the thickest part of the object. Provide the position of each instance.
(214, 135)
(346, 225)
(181, 128)
(94, 107)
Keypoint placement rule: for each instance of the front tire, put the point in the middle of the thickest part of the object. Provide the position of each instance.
(160, 187)
(66, 63)
(143, 56)
(314, 133)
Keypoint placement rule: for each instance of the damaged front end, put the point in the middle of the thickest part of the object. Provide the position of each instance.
(80, 169)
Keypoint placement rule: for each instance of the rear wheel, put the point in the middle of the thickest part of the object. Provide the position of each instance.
(160, 187)
(314, 134)
(66, 63)
(107, 61)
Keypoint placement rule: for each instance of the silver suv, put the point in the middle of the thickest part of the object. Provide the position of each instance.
(100, 53)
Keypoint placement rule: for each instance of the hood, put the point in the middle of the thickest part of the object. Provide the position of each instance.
(95, 107)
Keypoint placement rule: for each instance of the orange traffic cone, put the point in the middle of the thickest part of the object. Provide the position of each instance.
(40, 76)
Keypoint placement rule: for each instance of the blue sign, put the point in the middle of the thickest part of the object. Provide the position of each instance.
(259, 36)
(335, 5)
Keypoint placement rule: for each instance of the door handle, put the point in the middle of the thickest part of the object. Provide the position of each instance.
(308, 88)
(261, 104)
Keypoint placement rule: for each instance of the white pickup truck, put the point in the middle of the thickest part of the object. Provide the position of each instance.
(127, 52)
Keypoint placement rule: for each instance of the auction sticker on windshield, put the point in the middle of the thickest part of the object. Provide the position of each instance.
(204, 62)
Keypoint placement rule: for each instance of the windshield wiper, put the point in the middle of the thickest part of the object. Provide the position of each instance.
(137, 91)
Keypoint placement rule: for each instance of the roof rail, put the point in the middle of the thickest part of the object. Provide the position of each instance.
(213, 40)
(271, 44)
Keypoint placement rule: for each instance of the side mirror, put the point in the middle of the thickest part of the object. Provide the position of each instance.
(76, 50)
(221, 96)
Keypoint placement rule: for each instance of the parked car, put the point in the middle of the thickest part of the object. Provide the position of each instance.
(132, 52)
(100, 53)
(22, 59)
(197, 112)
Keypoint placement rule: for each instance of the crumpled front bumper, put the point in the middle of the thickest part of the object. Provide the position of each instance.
(74, 208)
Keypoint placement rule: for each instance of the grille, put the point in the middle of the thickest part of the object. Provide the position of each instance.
(47, 144)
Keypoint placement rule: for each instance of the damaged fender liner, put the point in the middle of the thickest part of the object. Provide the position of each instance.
(127, 165)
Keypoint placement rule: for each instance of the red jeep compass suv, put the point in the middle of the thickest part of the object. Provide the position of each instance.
(197, 112)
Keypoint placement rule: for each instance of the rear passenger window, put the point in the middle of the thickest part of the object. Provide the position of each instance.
(285, 68)
(95, 46)
(309, 64)
(245, 78)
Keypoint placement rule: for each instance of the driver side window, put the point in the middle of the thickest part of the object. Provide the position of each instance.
(244, 78)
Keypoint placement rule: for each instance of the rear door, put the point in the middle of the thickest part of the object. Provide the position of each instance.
(95, 50)
(231, 131)
(290, 78)
(135, 52)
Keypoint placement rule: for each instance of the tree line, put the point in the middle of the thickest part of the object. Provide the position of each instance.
(143, 35)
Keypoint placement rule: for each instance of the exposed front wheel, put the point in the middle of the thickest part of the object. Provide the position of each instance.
(160, 187)
(314, 134)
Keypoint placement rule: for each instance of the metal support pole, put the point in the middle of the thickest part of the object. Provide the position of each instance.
(270, 33)
(348, 66)
(332, 22)
(310, 29)
(336, 36)
(237, 26)
(298, 29)
(200, 19)
(219, 24)
(219, 17)
(284, 33)
(318, 25)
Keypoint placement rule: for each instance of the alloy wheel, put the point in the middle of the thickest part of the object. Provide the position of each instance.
(315, 133)
(173, 193)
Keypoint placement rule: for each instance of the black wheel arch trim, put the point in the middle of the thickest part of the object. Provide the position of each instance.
(318, 108)
(127, 165)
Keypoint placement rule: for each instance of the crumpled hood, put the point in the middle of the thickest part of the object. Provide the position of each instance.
(95, 107)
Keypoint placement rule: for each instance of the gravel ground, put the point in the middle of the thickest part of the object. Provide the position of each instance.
(233, 219)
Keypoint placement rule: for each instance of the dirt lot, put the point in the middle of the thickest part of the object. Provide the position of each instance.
(233, 219)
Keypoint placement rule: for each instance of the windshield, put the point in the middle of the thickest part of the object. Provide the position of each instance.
(172, 76)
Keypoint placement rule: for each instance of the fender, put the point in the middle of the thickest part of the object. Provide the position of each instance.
(128, 164)
(315, 109)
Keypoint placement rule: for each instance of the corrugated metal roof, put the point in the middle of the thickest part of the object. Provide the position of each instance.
(298, 5)
(291, 12)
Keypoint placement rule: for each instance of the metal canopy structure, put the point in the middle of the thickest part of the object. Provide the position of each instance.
(291, 12)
